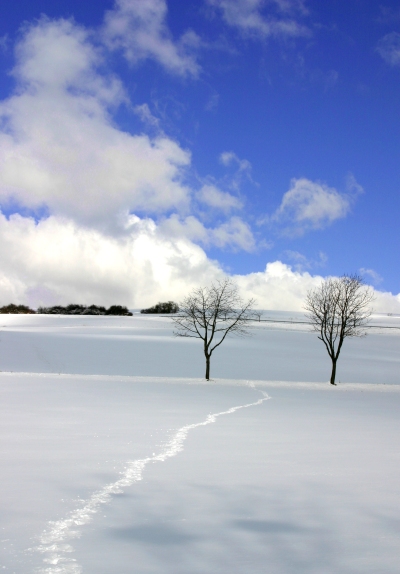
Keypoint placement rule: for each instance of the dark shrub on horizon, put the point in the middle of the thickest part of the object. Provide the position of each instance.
(16, 310)
(74, 309)
(118, 310)
(168, 307)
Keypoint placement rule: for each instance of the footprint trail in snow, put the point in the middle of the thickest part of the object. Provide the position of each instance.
(55, 541)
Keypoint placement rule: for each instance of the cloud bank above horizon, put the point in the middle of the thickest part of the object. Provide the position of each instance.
(93, 213)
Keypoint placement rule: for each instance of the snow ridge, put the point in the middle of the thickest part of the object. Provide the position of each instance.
(54, 542)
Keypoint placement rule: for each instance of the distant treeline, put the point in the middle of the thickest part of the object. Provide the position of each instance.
(84, 310)
(67, 310)
(168, 307)
(16, 310)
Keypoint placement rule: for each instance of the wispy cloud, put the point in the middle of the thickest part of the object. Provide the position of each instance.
(229, 158)
(312, 205)
(144, 113)
(372, 274)
(264, 18)
(301, 262)
(212, 103)
(389, 48)
(217, 199)
(139, 28)
(4, 41)
(388, 14)
(243, 168)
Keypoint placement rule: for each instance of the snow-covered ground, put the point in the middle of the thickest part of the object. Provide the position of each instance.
(117, 458)
(144, 345)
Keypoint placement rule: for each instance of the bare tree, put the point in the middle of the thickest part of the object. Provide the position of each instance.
(339, 308)
(211, 314)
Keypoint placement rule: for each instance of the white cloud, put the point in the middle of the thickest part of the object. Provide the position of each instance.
(229, 157)
(59, 261)
(310, 205)
(278, 287)
(353, 187)
(373, 275)
(301, 262)
(59, 146)
(234, 234)
(389, 48)
(144, 113)
(386, 302)
(60, 149)
(217, 199)
(281, 288)
(263, 18)
(243, 168)
(189, 227)
(140, 30)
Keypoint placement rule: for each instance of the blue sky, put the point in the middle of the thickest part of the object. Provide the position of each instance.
(198, 138)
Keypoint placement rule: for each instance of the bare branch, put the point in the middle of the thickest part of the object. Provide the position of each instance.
(339, 308)
(212, 313)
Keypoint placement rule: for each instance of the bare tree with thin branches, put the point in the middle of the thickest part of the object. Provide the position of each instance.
(211, 314)
(339, 308)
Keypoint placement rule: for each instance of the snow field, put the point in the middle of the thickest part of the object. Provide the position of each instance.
(144, 345)
(113, 474)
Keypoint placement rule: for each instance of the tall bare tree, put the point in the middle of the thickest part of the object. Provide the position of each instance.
(211, 314)
(339, 308)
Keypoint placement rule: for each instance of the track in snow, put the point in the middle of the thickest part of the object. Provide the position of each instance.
(55, 542)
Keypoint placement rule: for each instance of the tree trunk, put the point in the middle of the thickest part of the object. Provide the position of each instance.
(207, 368)
(333, 375)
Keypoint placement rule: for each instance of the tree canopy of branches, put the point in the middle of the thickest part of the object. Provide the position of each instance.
(339, 308)
(211, 314)
(167, 307)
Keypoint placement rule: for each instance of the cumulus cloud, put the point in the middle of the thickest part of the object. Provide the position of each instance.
(311, 205)
(234, 234)
(59, 147)
(279, 287)
(389, 48)
(263, 18)
(57, 260)
(217, 199)
(139, 28)
(61, 150)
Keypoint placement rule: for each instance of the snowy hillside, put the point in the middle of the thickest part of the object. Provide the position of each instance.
(144, 345)
(117, 458)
